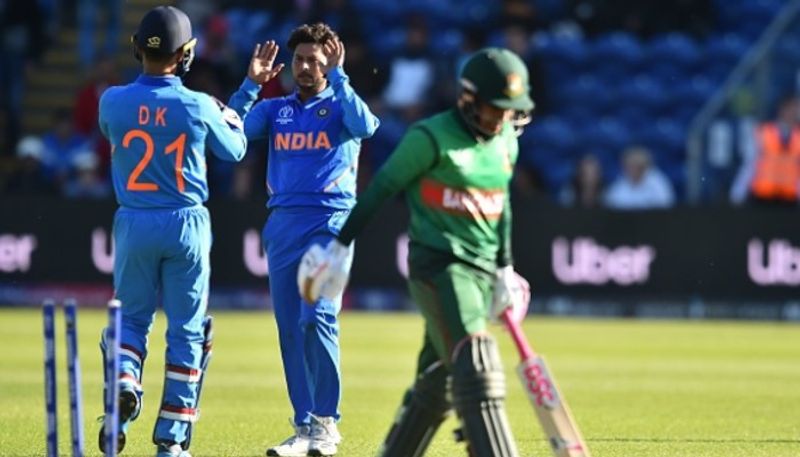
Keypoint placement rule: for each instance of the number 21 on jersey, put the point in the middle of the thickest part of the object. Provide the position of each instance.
(176, 146)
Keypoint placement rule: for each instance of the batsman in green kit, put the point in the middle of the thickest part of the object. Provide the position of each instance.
(455, 168)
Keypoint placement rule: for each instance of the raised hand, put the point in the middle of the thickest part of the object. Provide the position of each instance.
(334, 53)
(262, 64)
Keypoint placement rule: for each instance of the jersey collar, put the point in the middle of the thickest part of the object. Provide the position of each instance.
(326, 93)
(159, 80)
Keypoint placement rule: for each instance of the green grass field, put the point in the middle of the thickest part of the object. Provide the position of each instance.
(637, 388)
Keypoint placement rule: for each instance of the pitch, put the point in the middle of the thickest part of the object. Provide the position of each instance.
(636, 388)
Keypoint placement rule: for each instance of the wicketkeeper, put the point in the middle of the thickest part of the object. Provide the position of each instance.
(455, 168)
(159, 133)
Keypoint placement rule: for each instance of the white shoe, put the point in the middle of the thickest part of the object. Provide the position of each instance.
(294, 446)
(324, 437)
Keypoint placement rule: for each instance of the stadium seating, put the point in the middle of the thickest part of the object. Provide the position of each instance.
(604, 92)
(617, 88)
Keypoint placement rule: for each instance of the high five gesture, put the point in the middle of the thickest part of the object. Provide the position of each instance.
(262, 65)
(334, 53)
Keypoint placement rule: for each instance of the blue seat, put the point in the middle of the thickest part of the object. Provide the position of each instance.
(760, 12)
(560, 54)
(551, 11)
(472, 13)
(675, 48)
(617, 50)
(447, 42)
(607, 134)
(557, 173)
(589, 92)
(550, 133)
(692, 93)
(388, 43)
(576, 115)
(633, 116)
(645, 91)
(724, 49)
(666, 138)
(248, 27)
(787, 49)
(672, 57)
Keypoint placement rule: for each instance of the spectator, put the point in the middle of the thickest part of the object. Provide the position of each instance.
(21, 44)
(85, 111)
(772, 176)
(104, 74)
(198, 10)
(215, 50)
(87, 20)
(61, 144)
(641, 186)
(363, 73)
(85, 181)
(585, 190)
(30, 178)
(518, 13)
(411, 73)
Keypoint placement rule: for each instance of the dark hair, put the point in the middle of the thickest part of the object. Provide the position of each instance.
(317, 33)
(157, 57)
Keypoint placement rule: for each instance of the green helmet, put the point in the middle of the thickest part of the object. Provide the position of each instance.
(498, 77)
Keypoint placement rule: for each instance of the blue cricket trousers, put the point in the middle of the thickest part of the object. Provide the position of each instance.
(164, 252)
(309, 334)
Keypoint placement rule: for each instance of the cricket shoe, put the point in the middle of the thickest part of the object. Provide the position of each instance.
(325, 437)
(171, 450)
(128, 408)
(294, 446)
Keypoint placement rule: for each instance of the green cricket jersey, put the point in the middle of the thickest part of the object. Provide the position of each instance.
(456, 187)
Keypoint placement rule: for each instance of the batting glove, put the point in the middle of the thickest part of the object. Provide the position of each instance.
(323, 272)
(510, 291)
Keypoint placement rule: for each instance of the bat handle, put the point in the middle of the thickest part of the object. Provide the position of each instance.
(525, 350)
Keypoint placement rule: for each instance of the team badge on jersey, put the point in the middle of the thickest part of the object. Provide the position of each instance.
(323, 111)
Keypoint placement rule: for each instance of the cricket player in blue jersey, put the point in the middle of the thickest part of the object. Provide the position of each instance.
(160, 132)
(314, 140)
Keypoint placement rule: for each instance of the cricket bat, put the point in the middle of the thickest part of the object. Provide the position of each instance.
(551, 409)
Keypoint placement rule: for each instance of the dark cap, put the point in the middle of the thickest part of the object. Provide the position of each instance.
(164, 29)
(499, 77)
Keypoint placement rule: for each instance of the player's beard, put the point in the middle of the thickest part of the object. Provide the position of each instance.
(308, 82)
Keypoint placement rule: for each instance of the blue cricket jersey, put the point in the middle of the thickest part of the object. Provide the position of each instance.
(159, 131)
(313, 146)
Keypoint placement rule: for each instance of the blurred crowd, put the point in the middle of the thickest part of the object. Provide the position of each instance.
(403, 59)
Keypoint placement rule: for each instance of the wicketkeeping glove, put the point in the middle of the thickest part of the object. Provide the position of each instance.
(323, 272)
(510, 291)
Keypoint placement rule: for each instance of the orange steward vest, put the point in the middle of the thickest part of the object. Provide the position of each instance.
(778, 167)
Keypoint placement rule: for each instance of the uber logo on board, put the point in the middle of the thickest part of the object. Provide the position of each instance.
(773, 264)
(15, 252)
(592, 263)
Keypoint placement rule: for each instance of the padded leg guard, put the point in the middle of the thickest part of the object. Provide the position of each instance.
(208, 339)
(130, 398)
(425, 407)
(478, 388)
(205, 358)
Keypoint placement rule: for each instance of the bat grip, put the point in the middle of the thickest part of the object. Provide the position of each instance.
(524, 349)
